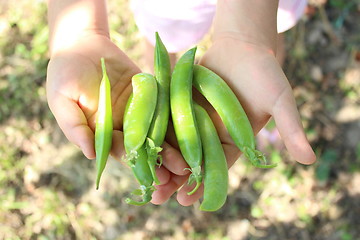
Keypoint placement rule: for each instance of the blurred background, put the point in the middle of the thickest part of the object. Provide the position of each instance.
(47, 186)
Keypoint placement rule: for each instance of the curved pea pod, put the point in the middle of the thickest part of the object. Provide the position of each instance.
(215, 165)
(104, 124)
(160, 120)
(227, 105)
(183, 117)
(139, 113)
(144, 177)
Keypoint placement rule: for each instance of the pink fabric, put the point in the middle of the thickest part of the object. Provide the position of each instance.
(289, 13)
(183, 23)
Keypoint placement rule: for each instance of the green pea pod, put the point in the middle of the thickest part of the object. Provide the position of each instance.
(227, 105)
(160, 120)
(104, 124)
(138, 164)
(139, 113)
(183, 117)
(144, 177)
(215, 165)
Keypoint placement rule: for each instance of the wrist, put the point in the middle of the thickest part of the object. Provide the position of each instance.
(250, 44)
(71, 21)
(249, 21)
(82, 39)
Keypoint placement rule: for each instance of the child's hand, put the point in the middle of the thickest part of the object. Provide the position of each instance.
(257, 79)
(73, 82)
(255, 76)
(74, 75)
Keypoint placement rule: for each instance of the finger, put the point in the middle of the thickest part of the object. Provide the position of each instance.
(118, 153)
(186, 200)
(73, 123)
(173, 160)
(163, 175)
(117, 146)
(165, 191)
(170, 136)
(232, 154)
(288, 122)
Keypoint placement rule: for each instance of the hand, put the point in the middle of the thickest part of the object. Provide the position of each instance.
(73, 82)
(255, 76)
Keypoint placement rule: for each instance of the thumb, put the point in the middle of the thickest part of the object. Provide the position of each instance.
(73, 123)
(288, 122)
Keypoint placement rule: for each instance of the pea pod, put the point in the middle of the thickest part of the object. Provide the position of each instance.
(160, 120)
(138, 163)
(104, 124)
(215, 165)
(183, 117)
(139, 113)
(227, 105)
(144, 177)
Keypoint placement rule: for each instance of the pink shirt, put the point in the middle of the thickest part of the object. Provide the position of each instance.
(192, 19)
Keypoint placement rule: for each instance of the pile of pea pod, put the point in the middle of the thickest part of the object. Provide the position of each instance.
(157, 99)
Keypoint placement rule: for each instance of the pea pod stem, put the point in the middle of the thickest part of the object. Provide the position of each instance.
(182, 112)
(158, 127)
(257, 158)
(145, 192)
(195, 176)
(143, 175)
(154, 158)
(227, 105)
(104, 124)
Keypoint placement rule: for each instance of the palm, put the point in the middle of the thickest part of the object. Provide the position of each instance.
(72, 89)
(73, 86)
(262, 88)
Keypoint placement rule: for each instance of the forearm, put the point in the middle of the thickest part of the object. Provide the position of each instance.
(253, 21)
(70, 20)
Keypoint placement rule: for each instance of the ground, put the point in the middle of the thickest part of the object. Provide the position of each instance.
(47, 186)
